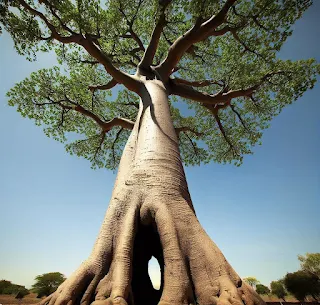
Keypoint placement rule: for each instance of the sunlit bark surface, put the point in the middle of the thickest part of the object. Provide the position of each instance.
(151, 214)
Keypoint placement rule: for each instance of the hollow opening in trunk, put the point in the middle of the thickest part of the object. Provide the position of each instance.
(154, 273)
(147, 245)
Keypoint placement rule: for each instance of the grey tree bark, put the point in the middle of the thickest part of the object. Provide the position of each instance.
(151, 214)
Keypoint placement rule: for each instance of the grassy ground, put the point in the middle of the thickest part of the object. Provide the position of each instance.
(10, 299)
(273, 298)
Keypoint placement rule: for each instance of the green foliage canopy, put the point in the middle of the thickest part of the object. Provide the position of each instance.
(252, 281)
(3, 285)
(262, 289)
(6, 287)
(95, 42)
(47, 283)
(277, 288)
(22, 293)
(302, 284)
(311, 263)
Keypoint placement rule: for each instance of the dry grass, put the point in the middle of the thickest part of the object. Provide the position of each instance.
(10, 299)
(273, 298)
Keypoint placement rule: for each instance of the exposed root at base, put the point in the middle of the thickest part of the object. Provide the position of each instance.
(194, 271)
(77, 289)
(111, 301)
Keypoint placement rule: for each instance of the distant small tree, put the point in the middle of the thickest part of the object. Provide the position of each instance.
(22, 293)
(262, 289)
(302, 284)
(278, 289)
(6, 287)
(310, 263)
(252, 281)
(47, 283)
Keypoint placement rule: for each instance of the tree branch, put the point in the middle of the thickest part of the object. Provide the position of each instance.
(202, 83)
(200, 31)
(137, 39)
(254, 17)
(153, 45)
(240, 118)
(221, 98)
(60, 124)
(54, 33)
(246, 48)
(190, 93)
(190, 51)
(132, 104)
(107, 86)
(103, 136)
(222, 31)
(124, 123)
(249, 91)
(215, 114)
(195, 149)
(114, 143)
(88, 43)
(121, 77)
(105, 126)
(53, 12)
(90, 62)
(186, 128)
(155, 37)
(132, 35)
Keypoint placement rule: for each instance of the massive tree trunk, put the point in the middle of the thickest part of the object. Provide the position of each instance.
(151, 214)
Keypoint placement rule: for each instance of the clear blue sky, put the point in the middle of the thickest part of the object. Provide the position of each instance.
(261, 215)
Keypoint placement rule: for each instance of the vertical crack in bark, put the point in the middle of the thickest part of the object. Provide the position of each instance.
(194, 296)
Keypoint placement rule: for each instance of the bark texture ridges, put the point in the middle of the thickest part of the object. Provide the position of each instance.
(151, 214)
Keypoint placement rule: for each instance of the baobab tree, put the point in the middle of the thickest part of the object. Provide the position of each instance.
(220, 58)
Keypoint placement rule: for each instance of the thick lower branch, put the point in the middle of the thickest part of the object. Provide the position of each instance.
(190, 93)
(105, 126)
(127, 80)
(124, 123)
(155, 37)
(90, 45)
(201, 83)
(184, 89)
